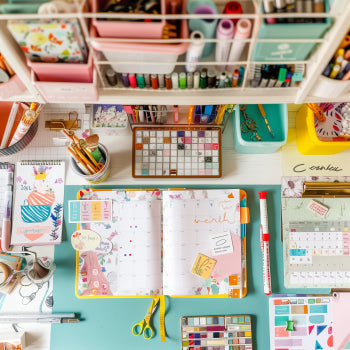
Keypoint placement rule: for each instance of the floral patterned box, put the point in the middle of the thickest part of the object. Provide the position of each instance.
(53, 40)
(108, 118)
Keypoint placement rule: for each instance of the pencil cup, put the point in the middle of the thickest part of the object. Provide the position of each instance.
(101, 175)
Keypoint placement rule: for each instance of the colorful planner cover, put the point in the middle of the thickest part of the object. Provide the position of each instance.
(52, 40)
(38, 203)
(141, 252)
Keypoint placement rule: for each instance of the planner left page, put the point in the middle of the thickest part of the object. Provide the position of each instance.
(202, 247)
(127, 261)
(38, 203)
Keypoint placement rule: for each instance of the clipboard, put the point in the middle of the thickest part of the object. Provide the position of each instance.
(238, 284)
(316, 236)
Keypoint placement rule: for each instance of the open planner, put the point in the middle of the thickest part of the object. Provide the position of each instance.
(316, 235)
(174, 242)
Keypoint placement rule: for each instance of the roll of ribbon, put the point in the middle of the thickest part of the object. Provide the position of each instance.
(234, 8)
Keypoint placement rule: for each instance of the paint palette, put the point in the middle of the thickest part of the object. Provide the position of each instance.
(230, 332)
(176, 152)
(301, 322)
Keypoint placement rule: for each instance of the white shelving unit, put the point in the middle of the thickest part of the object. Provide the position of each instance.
(340, 13)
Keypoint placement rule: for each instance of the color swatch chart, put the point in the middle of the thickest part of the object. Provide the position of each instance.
(301, 322)
(319, 252)
(231, 332)
(176, 152)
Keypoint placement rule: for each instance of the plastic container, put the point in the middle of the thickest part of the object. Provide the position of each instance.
(307, 140)
(67, 91)
(63, 72)
(146, 55)
(99, 176)
(12, 87)
(127, 29)
(293, 51)
(330, 88)
(277, 116)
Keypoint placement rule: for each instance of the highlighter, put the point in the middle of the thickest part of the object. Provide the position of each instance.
(190, 114)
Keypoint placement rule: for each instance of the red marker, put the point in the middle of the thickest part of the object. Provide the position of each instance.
(264, 241)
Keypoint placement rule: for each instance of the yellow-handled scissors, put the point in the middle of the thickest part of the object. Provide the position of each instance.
(144, 326)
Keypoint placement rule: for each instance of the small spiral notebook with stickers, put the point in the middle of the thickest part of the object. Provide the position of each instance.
(152, 242)
(38, 203)
(316, 232)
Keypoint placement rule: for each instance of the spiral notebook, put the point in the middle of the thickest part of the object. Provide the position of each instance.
(38, 203)
(175, 242)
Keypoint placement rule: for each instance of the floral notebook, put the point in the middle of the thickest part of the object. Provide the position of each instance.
(53, 40)
(188, 242)
(38, 203)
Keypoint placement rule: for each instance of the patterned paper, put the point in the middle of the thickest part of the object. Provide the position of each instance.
(54, 40)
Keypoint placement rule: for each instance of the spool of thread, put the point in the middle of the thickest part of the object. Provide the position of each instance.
(194, 51)
(224, 30)
(234, 8)
(243, 30)
(125, 79)
(132, 80)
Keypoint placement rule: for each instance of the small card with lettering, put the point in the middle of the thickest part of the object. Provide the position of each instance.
(203, 266)
(85, 240)
(221, 243)
(90, 211)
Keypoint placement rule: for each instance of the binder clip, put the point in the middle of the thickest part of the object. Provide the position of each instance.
(73, 123)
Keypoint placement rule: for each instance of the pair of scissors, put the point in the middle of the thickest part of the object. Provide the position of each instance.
(249, 124)
(144, 326)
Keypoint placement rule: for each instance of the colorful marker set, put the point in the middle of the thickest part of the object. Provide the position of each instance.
(339, 66)
(206, 78)
(294, 6)
(176, 152)
(267, 75)
(231, 332)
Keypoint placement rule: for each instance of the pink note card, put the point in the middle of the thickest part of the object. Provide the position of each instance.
(90, 211)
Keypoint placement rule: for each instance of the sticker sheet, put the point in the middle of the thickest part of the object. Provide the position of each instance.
(301, 322)
(127, 260)
(38, 203)
(205, 222)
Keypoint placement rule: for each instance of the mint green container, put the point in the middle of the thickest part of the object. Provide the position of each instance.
(288, 51)
(277, 116)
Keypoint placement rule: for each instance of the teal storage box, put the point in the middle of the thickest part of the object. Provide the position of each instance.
(288, 51)
(277, 117)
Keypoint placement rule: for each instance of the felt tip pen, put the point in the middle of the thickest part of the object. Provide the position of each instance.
(132, 80)
(264, 243)
(235, 78)
(182, 80)
(203, 80)
(189, 80)
(175, 80)
(154, 81)
(161, 82)
(140, 81)
(176, 113)
(125, 79)
(168, 83)
(196, 78)
(190, 114)
(147, 80)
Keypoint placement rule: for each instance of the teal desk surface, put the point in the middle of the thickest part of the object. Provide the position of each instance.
(107, 323)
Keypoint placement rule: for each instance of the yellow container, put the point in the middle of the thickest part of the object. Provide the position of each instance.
(307, 140)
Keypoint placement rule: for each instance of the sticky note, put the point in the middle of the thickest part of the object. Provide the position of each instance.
(318, 208)
(203, 266)
(221, 243)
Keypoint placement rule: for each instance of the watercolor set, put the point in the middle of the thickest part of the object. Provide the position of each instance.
(176, 152)
(224, 332)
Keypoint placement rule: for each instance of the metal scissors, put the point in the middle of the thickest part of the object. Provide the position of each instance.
(249, 124)
(144, 326)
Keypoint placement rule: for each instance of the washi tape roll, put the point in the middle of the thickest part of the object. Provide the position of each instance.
(5, 274)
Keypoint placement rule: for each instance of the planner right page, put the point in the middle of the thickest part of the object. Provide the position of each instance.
(201, 241)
